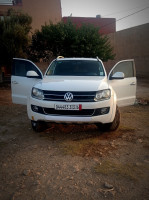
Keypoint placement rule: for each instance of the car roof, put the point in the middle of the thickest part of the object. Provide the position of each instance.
(89, 59)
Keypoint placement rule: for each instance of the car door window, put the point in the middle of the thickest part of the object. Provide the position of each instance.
(21, 67)
(126, 67)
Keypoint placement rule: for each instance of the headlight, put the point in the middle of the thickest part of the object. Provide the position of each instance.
(37, 93)
(103, 95)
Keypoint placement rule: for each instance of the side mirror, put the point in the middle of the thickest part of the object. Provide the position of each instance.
(32, 74)
(118, 75)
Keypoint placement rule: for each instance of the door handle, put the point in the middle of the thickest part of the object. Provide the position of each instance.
(133, 83)
(14, 82)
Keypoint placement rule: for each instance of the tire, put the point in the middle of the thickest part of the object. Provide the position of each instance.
(38, 126)
(113, 126)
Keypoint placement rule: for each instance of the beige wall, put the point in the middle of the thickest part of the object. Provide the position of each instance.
(41, 11)
(132, 43)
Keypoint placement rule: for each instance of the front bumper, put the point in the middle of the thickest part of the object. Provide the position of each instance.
(90, 113)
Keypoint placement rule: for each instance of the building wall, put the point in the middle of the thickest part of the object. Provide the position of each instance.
(132, 43)
(106, 25)
(41, 11)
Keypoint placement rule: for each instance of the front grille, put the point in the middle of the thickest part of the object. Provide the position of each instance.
(77, 96)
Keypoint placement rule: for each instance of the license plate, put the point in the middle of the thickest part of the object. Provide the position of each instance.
(68, 107)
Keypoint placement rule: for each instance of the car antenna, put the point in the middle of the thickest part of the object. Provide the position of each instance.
(97, 58)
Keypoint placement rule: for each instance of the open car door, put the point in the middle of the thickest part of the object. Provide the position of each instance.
(122, 78)
(21, 84)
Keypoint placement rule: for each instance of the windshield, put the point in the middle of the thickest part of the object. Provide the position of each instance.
(76, 68)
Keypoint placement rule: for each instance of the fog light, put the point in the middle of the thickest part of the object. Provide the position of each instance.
(35, 108)
(104, 110)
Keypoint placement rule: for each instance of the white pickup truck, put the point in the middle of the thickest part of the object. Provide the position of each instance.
(74, 90)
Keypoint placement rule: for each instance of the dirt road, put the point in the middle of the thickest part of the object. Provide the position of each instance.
(74, 161)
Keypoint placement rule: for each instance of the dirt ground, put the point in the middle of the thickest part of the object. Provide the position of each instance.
(74, 161)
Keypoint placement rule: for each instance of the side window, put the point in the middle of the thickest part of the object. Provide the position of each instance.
(18, 68)
(21, 67)
(127, 67)
(30, 67)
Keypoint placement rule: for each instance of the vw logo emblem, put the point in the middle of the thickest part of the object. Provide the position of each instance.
(68, 96)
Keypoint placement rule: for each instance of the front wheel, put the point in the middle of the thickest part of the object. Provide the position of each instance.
(38, 126)
(113, 125)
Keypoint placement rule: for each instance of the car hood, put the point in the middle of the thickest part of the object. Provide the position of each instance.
(71, 83)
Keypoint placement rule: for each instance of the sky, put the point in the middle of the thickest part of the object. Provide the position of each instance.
(109, 9)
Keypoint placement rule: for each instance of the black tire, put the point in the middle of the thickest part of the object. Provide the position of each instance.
(38, 126)
(113, 126)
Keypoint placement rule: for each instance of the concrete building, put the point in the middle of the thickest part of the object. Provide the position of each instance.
(41, 11)
(132, 43)
(106, 25)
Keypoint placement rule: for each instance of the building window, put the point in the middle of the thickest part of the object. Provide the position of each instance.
(11, 2)
(6, 2)
(2, 18)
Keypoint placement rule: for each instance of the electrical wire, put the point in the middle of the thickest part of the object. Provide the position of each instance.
(121, 11)
(133, 13)
(125, 17)
(85, 20)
